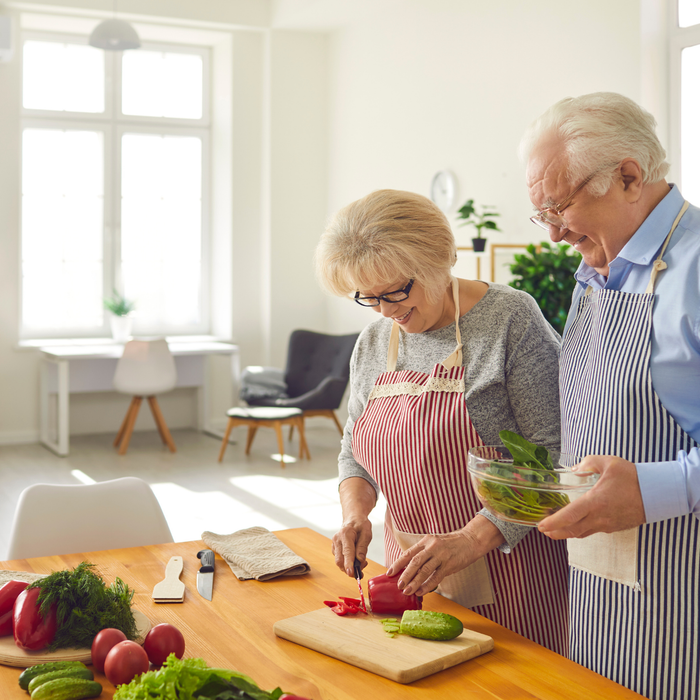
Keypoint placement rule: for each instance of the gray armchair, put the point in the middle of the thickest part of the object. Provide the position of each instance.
(314, 380)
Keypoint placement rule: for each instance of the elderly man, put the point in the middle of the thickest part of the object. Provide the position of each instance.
(630, 390)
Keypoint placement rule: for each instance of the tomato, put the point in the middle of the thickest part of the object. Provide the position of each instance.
(162, 640)
(286, 696)
(124, 661)
(104, 640)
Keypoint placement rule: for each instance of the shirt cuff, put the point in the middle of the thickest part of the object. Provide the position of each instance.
(512, 532)
(664, 490)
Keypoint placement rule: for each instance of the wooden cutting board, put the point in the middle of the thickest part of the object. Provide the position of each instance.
(361, 641)
(12, 655)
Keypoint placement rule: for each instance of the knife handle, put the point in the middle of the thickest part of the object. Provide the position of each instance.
(207, 558)
(357, 566)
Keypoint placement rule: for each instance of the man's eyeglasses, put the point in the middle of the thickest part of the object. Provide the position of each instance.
(390, 297)
(551, 216)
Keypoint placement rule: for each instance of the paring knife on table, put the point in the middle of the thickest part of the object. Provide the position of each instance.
(205, 575)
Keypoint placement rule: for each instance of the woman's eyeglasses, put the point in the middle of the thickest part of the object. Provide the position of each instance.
(390, 297)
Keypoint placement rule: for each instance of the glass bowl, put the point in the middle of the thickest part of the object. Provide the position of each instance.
(521, 494)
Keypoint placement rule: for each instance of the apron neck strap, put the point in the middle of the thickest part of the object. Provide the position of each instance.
(453, 360)
(659, 264)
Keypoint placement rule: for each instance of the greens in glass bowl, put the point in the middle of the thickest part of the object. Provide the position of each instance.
(519, 482)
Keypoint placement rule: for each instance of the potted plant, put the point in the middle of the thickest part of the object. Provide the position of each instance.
(479, 220)
(546, 272)
(120, 308)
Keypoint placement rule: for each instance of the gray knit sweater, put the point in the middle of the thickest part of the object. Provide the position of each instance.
(511, 359)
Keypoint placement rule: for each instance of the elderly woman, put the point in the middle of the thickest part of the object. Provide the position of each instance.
(449, 364)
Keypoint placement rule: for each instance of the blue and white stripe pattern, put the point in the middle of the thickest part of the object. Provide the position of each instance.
(644, 637)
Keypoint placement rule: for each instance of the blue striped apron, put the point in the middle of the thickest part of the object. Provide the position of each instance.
(634, 595)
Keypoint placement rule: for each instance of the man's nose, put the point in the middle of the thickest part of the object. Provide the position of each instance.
(556, 234)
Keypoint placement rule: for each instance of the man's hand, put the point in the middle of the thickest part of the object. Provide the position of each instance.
(613, 504)
(435, 557)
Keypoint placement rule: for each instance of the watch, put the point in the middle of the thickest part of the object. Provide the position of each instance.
(443, 189)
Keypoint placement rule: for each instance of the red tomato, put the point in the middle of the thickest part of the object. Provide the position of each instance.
(286, 696)
(162, 640)
(124, 661)
(104, 640)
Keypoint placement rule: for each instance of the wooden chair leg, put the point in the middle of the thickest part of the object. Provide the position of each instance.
(337, 423)
(135, 406)
(160, 423)
(291, 432)
(125, 422)
(303, 445)
(280, 439)
(252, 429)
(224, 444)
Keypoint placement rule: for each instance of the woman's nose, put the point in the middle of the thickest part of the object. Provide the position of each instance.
(386, 308)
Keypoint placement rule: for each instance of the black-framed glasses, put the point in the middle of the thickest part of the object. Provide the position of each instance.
(390, 297)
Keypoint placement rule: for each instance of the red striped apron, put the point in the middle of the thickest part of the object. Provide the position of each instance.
(413, 438)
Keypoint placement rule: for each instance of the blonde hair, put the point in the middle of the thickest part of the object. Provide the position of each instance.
(387, 236)
(598, 131)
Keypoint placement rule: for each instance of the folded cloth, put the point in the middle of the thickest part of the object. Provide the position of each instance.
(255, 553)
(6, 575)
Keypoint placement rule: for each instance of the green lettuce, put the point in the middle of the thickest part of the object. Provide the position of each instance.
(192, 679)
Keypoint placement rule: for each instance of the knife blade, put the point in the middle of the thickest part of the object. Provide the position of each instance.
(205, 575)
(357, 568)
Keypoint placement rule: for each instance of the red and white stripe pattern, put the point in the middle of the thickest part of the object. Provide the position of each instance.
(415, 445)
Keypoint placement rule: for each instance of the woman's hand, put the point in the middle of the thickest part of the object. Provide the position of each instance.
(350, 542)
(357, 498)
(429, 561)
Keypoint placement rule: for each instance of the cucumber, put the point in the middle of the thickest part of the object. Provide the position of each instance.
(67, 689)
(33, 671)
(426, 624)
(74, 672)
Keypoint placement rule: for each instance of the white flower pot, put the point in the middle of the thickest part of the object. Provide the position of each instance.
(121, 328)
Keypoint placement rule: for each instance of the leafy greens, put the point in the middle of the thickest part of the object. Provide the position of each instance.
(522, 504)
(192, 679)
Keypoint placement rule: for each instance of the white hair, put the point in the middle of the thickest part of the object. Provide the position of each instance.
(598, 131)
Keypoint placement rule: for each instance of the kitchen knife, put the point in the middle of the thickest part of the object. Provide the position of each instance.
(205, 575)
(357, 567)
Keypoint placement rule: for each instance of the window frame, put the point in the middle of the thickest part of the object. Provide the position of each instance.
(113, 123)
(679, 38)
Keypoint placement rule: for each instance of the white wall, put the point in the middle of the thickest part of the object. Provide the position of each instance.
(332, 99)
(453, 84)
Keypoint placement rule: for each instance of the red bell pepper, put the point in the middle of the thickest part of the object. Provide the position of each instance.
(386, 597)
(33, 630)
(8, 596)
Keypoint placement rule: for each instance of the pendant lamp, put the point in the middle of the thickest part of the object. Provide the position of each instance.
(114, 35)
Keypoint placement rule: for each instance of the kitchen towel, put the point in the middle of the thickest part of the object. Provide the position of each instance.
(6, 575)
(255, 553)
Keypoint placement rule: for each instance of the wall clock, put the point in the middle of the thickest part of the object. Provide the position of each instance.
(443, 189)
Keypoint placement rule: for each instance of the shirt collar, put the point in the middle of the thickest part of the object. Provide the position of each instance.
(642, 248)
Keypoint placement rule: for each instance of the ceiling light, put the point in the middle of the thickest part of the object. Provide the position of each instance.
(114, 35)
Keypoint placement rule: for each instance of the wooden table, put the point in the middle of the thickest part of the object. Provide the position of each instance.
(235, 631)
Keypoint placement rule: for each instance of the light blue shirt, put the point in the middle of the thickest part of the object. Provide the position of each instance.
(669, 489)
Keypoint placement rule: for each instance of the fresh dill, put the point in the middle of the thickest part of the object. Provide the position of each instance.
(85, 605)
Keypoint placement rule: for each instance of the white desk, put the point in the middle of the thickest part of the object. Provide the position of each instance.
(67, 369)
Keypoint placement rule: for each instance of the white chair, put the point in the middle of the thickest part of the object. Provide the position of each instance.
(146, 368)
(65, 519)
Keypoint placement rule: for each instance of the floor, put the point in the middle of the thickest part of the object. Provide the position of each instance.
(195, 491)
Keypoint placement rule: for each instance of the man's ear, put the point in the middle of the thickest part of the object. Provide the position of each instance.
(631, 179)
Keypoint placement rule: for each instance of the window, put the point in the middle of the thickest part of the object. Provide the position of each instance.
(115, 153)
(685, 97)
